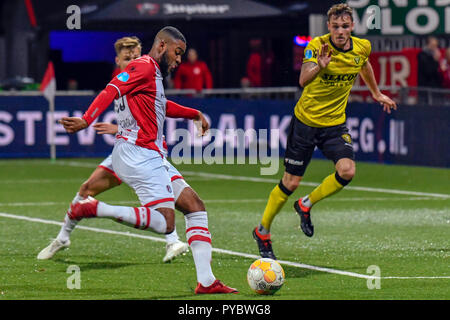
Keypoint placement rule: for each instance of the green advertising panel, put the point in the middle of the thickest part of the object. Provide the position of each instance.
(400, 17)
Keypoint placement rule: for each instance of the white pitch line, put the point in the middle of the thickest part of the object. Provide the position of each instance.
(223, 251)
(270, 180)
(314, 184)
(419, 277)
(77, 164)
(349, 199)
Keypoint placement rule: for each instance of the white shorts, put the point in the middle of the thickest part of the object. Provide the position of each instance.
(107, 165)
(178, 182)
(146, 171)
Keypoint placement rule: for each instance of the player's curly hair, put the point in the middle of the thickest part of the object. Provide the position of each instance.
(340, 9)
(127, 43)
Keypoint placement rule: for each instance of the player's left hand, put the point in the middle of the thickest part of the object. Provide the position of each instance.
(105, 128)
(73, 124)
(202, 124)
(386, 102)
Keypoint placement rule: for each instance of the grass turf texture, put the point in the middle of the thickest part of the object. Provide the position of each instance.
(405, 235)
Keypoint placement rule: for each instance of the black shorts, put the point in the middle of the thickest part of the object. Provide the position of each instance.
(335, 143)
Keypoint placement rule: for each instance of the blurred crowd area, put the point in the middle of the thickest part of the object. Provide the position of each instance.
(261, 50)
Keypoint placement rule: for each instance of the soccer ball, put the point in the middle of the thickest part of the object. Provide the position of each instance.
(265, 276)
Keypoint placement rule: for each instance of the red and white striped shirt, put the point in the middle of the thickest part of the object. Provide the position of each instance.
(140, 104)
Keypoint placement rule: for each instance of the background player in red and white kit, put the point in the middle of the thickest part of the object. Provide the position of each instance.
(104, 177)
(137, 154)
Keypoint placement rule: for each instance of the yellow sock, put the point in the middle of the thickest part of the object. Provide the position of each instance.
(330, 185)
(277, 199)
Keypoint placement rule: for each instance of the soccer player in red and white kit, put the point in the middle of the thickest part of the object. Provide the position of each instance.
(137, 156)
(104, 177)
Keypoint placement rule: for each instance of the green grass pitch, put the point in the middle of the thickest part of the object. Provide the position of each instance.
(393, 217)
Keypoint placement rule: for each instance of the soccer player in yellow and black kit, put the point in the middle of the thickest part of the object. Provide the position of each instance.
(330, 65)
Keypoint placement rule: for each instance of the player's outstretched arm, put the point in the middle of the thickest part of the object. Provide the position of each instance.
(100, 103)
(174, 110)
(368, 76)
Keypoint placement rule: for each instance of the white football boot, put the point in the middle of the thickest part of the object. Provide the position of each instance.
(175, 249)
(49, 251)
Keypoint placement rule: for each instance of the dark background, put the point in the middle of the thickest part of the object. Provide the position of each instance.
(222, 44)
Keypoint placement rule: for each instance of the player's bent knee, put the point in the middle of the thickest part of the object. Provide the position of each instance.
(292, 185)
(197, 203)
(169, 216)
(196, 207)
(347, 172)
(189, 201)
(291, 182)
(170, 225)
(350, 174)
(346, 169)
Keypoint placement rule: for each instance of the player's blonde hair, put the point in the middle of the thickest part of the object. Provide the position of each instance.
(340, 9)
(127, 43)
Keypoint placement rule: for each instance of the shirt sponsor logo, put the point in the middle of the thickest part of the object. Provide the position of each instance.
(339, 77)
(200, 8)
(127, 123)
(123, 77)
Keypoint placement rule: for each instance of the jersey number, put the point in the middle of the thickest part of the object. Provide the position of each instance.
(119, 105)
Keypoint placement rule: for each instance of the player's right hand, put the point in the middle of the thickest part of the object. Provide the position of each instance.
(324, 57)
(73, 124)
(202, 124)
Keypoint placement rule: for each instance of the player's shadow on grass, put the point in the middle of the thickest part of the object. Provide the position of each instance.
(295, 272)
(98, 265)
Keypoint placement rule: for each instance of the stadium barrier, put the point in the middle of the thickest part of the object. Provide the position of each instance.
(402, 95)
(415, 135)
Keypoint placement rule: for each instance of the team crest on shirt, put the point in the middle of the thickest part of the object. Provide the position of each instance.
(169, 188)
(357, 59)
(124, 76)
(347, 138)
